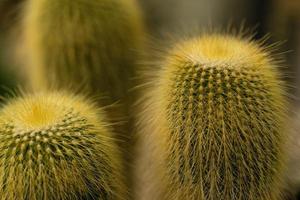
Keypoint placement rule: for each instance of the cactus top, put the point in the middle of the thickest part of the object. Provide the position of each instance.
(43, 111)
(223, 68)
(56, 146)
(220, 49)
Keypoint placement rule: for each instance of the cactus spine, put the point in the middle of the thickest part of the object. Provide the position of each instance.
(57, 146)
(214, 120)
(83, 43)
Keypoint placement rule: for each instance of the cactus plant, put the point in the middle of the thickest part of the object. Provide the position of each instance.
(213, 122)
(90, 44)
(57, 146)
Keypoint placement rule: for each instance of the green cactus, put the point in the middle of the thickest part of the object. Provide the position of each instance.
(57, 146)
(213, 122)
(90, 44)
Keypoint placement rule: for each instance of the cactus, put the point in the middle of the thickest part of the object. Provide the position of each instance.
(57, 146)
(213, 122)
(89, 44)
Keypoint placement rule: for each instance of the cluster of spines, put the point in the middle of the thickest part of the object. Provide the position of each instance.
(205, 101)
(219, 126)
(73, 158)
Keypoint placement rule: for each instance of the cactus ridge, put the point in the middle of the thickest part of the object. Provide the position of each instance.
(219, 106)
(57, 149)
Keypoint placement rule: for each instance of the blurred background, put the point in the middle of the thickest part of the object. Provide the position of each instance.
(279, 18)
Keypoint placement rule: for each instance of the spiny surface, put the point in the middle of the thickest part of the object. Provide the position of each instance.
(83, 43)
(217, 110)
(57, 146)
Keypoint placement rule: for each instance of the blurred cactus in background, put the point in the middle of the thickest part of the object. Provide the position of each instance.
(57, 146)
(284, 25)
(214, 118)
(293, 172)
(90, 44)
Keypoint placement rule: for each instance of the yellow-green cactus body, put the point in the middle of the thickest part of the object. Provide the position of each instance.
(90, 44)
(213, 120)
(57, 146)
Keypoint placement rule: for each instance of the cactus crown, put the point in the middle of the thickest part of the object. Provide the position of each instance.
(219, 105)
(57, 146)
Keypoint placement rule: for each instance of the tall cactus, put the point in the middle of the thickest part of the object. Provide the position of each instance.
(213, 119)
(90, 44)
(57, 146)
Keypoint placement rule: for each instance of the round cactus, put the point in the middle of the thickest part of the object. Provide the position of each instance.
(90, 44)
(57, 146)
(213, 122)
